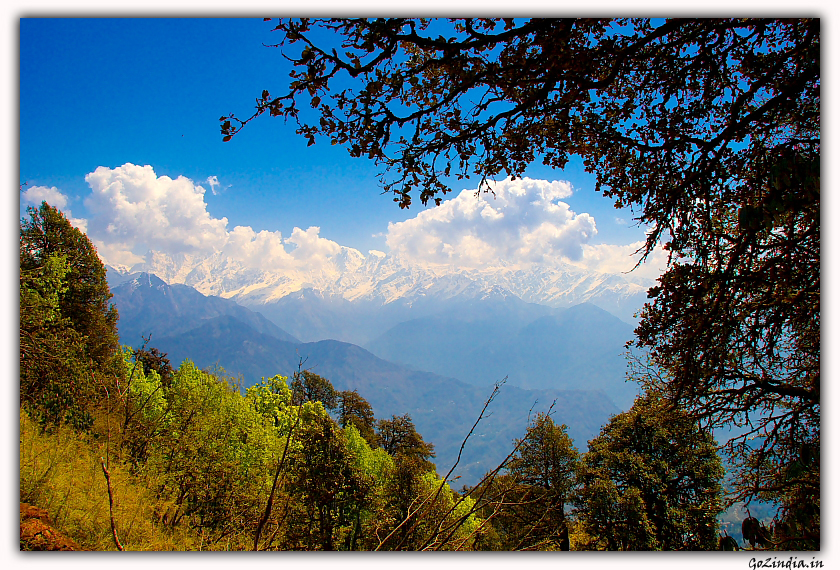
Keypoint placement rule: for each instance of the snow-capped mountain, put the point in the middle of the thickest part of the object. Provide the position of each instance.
(387, 279)
(354, 286)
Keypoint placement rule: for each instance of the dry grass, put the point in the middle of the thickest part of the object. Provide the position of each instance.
(60, 471)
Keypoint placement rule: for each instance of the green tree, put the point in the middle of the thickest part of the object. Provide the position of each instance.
(543, 476)
(69, 347)
(422, 512)
(272, 398)
(356, 411)
(328, 485)
(86, 301)
(651, 481)
(398, 436)
(154, 360)
(709, 129)
(210, 456)
(309, 387)
(55, 383)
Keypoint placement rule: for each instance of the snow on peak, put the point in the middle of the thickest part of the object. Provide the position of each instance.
(387, 278)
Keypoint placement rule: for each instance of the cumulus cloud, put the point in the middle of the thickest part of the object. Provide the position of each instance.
(263, 249)
(521, 221)
(310, 247)
(55, 198)
(131, 204)
(134, 210)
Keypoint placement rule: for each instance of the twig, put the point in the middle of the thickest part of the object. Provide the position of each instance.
(111, 505)
(105, 467)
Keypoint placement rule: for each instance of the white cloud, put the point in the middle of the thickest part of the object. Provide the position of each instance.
(310, 248)
(132, 205)
(257, 249)
(53, 196)
(608, 258)
(521, 221)
(80, 223)
(134, 210)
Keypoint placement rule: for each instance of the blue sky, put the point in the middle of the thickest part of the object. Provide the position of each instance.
(107, 92)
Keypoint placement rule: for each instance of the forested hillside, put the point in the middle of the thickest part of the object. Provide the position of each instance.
(211, 428)
(707, 129)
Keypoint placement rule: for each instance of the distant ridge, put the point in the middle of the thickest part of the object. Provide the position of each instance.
(212, 332)
(442, 408)
(582, 347)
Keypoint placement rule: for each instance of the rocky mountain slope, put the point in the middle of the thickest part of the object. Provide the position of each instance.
(149, 306)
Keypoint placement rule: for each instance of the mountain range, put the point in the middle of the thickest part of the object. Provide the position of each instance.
(581, 347)
(356, 298)
(213, 331)
(149, 306)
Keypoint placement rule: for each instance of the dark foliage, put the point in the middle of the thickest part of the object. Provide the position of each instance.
(154, 360)
(526, 507)
(325, 482)
(356, 411)
(398, 436)
(651, 481)
(309, 387)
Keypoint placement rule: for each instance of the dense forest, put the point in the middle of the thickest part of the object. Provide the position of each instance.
(125, 451)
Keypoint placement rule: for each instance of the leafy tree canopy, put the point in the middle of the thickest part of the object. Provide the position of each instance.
(651, 481)
(69, 349)
(154, 360)
(356, 411)
(85, 302)
(526, 507)
(310, 387)
(398, 436)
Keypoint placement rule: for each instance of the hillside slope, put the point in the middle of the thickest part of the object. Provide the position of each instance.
(216, 332)
(442, 408)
